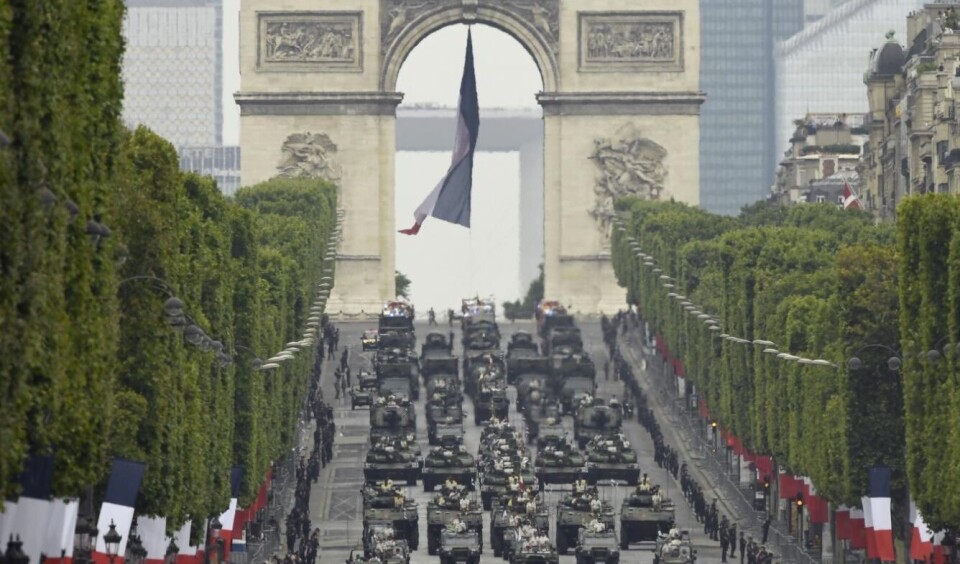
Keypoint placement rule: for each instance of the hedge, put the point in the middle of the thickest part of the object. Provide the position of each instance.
(817, 281)
(89, 366)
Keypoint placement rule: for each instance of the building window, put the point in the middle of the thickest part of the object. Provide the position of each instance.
(821, 199)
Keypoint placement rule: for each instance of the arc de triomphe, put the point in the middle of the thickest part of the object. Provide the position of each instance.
(621, 107)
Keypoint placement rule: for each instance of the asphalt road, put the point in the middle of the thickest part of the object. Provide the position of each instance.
(335, 501)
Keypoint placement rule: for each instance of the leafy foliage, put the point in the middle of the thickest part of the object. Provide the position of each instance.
(402, 284)
(817, 281)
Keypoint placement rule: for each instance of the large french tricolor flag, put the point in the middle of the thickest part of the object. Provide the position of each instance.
(32, 513)
(880, 513)
(117, 508)
(921, 539)
(450, 199)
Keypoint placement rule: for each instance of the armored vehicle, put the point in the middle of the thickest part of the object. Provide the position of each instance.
(481, 335)
(396, 339)
(396, 387)
(644, 515)
(500, 476)
(532, 388)
(513, 509)
(385, 503)
(612, 459)
(398, 363)
(567, 339)
(515, 536)
(481, 366)
(491, 401)
(444, 415)
(451, 508)
(594, 418)
(573, 390)
(446, 381)
(541, 416)
(449, 462)
(392, 416)
(559, 463)
(523, 355)
(365, 390)
(578, 509)
(433, 365)
(674, 548)
(550, 314)
(597, 544)
(537, 550)
(392, 458)
(382, 545)
(369, 340)
(460, 547)
(435, 344)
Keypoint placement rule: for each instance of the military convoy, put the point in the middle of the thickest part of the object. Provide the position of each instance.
(458, 546)
(503, 462)
(674, 548)
(382, 545)
(595, 418)
(514, 510)
(558, 462)
(612, 459)
(597, 544)
(392, 415)
(645, 515)
(450, 461)
(385, 505)
(393, 458)
(453, 509)
(578, 509)
(365, 391)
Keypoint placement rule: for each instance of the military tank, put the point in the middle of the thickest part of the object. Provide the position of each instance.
(486, 366)
(597, 544)
(532, 389)
(393, 458)
(558, 462)
(491, 401)
(593, 418)
(444, 415)
(398, 363)
(644, 515)
(435, 344)
(501, 475)
(513, 509)
(523, 356)
(576, 510)
(451, 507)
(391, 415)
(541, 417)
(385, 503)
(449, 461)
(674, 548)
(612, 459)
(460, 547)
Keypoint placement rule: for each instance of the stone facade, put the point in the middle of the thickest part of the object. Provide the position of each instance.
(621, 115)
(914, 144)
(824, 153)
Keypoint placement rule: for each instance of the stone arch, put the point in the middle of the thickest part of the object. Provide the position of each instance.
(529, 37)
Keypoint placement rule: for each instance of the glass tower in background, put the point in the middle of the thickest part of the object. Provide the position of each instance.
(173, 69)
(737, 147)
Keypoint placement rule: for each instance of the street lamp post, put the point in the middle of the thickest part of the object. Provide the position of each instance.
(84, 538)
(112, 541)
(15, 553)
(172, 550)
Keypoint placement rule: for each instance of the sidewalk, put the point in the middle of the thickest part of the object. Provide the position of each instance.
(685, 431)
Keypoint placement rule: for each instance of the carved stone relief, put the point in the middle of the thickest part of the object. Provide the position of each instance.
(396, 15)
(544, 15)
(640, 41)
(310, 41)
(309, 155)
(628, 164)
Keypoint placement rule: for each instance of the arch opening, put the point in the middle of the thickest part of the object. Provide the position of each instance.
(502, 251)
